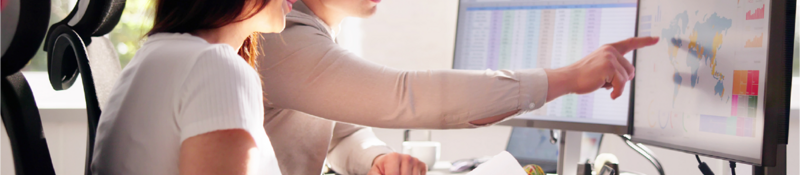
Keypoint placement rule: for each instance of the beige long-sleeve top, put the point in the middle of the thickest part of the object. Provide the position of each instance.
(306, 74)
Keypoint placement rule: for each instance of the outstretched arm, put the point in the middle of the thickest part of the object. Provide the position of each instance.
(311, 73)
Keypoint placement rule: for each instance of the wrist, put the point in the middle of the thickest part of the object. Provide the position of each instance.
(560, 82)
(376, 158)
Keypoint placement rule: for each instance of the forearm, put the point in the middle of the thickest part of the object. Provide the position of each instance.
(560, 82)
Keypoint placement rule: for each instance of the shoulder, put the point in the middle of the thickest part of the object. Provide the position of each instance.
(222, 61)
(296, 37)
(176, 49)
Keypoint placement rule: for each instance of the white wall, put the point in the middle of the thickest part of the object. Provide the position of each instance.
(65, 130)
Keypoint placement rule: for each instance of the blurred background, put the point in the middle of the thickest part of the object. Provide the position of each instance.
(425, 26)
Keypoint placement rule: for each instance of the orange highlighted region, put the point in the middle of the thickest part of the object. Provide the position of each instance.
(717, 43)
(740, 82)
(755, 42)
(673, 50)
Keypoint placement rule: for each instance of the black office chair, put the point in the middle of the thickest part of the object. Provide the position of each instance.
(67, 56)
(21, 38)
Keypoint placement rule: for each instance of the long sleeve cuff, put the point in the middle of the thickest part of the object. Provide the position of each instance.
(355, 153)
(532, 86)
(367, 156)
(532, 89)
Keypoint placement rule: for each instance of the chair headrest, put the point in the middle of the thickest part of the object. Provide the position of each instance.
(67, 40)
(26, 22)
(93, 17)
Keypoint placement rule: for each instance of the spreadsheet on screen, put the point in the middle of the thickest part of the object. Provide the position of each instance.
(525, 34)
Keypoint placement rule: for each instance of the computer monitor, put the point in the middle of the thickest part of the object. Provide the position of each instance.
(717, 83)
(524, 34)
(533, 146)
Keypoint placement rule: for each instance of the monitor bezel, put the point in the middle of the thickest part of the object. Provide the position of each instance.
(776, 99)
(547, 124)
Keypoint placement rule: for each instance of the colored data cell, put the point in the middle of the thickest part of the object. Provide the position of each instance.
(735, 126)
(752, 82)
(734, 104)
(758, 14)
(752, 106)
(740, 82)
(755, 42)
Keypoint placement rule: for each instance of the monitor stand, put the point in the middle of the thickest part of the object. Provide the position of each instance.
(780, 166)
(569, 152)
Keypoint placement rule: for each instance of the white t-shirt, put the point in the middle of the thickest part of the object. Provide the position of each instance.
(176, 87)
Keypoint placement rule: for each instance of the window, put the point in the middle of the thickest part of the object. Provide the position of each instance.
(136, 20)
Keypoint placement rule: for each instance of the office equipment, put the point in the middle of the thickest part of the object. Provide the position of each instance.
(528, 34)
(717, 84)
(502, 163)
(24, 26)
(74, 46)
(533, 146)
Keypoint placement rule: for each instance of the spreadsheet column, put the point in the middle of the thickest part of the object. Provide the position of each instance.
(506, 34)
(518, 39)
(591, 42)
(560, 50)
(478, 40)
(495, 34)
(532, 38)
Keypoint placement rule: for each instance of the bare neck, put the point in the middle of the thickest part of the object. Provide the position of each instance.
(331, 17)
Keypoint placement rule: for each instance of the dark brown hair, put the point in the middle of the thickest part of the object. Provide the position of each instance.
(186, 16)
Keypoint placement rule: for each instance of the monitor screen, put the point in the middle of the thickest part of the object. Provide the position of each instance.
(534, 146)
(701, 88)
(525, 34)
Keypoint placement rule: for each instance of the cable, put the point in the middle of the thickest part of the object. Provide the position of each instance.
(698, 158)
(703, 166)
(642, 150)
(733, 167)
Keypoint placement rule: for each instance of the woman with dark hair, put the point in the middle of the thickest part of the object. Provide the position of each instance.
(190, 101)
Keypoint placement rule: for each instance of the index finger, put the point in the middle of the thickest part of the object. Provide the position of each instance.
(625, 64)
(634, 43)
(619, 86)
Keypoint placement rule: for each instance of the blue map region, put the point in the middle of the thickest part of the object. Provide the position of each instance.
(719, 88)
(706, 31)
(676, 28)
(700, 47)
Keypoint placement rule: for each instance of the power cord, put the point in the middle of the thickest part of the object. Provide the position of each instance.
(703, 166)
(733, 167)
(642, 150)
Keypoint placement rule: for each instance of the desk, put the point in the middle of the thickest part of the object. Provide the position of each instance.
(443, 172)
(443, 168)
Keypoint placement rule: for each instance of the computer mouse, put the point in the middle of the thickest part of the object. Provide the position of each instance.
(463, 166)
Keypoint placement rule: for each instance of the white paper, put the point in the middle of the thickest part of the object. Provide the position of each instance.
(501, 164)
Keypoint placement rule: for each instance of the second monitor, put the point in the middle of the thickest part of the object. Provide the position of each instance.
(527, 34)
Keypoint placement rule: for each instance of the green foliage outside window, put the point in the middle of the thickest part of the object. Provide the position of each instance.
(127, 36)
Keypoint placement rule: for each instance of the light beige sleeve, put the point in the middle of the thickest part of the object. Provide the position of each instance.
(304, 70)
(353, 148)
